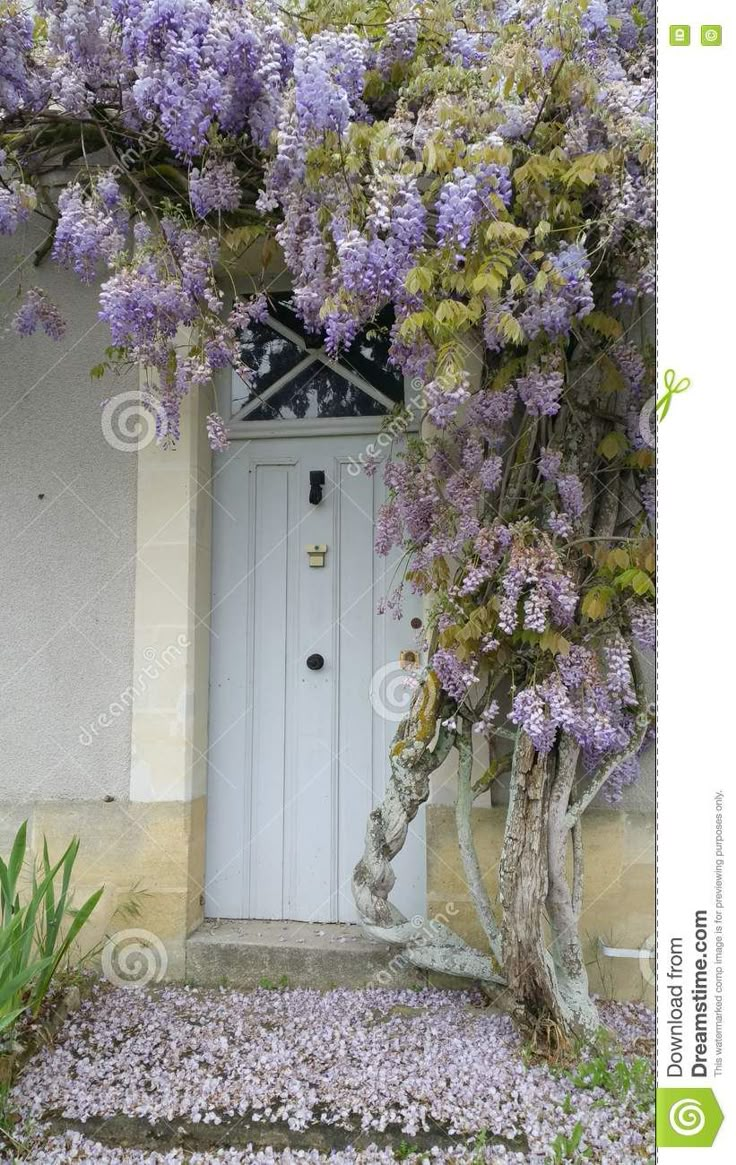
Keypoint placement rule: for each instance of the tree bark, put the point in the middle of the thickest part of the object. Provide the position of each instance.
(527, 965)
(468, 853)
(420, 745)
(563, 902)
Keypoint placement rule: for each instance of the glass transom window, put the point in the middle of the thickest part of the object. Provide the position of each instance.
(295, 379)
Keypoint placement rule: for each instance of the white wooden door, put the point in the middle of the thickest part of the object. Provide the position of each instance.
(298, 757)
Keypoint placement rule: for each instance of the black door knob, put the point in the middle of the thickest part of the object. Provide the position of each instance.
(315, 662)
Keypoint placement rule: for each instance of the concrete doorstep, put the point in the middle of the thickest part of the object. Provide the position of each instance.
(249, 953)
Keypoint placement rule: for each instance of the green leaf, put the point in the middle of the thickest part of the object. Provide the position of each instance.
(554, 642)
(451, 311)
(419, 279)
(240, 238)
(613, 444)
(596, 602)
(611, 378)
(507, 233)
(618, 558)
(624, 580)
(541, 279)
(414, 323)
(511, 329)
(604, 324)
(508, 372)
(641, 584)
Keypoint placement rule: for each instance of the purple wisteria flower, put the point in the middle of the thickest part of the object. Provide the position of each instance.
(20, 86)
(570, 489)
(491, 471)
(399, 44)
(588, 697)
(194, 64)
(454, 675)
(535, 574)
(458, 207)
(402, 1070)
(88, 233)
(214, 187)
(489, 715)
(549, 464)
(643, 624)
(567, 297)
(37, 310)
(329, 71)
(559, 524)
(540, 392)
(217, 433)
(444, 400)
(16, 203)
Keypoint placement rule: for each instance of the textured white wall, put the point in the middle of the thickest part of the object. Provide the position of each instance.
(67, 558)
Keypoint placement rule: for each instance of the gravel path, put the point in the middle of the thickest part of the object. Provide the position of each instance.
(187, 1075)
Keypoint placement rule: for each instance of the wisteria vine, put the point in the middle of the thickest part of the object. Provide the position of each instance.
(484, 170)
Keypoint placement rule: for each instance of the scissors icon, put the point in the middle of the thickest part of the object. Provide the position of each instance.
(672, 388)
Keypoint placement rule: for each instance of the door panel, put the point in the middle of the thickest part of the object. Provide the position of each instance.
(267, 689)
(298, 757)
(312, 775)
(357, 604)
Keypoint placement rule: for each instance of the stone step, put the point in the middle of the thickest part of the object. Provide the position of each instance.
(248, 953)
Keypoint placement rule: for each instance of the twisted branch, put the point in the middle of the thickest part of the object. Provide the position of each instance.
(420, 746)
(471, 865)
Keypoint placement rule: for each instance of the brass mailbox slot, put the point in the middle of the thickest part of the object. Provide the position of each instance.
(316, 555)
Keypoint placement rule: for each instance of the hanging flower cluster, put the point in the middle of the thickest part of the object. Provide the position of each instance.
(485, 173)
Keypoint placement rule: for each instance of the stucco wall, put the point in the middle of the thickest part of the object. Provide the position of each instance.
(67, 531)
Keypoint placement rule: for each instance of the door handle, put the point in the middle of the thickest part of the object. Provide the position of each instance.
(316, 482)
(315, 662)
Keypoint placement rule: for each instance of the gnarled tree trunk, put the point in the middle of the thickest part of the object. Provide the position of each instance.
(523, 882)
(535, 962)
(564, 901)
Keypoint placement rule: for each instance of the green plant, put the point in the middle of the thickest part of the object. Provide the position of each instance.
(625, 1081)
(403, 1150)
(565, 1148)
(479, 1144)
(33, 935)
(269, 985)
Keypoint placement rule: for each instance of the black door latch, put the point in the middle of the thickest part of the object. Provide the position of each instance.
(316, 481)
